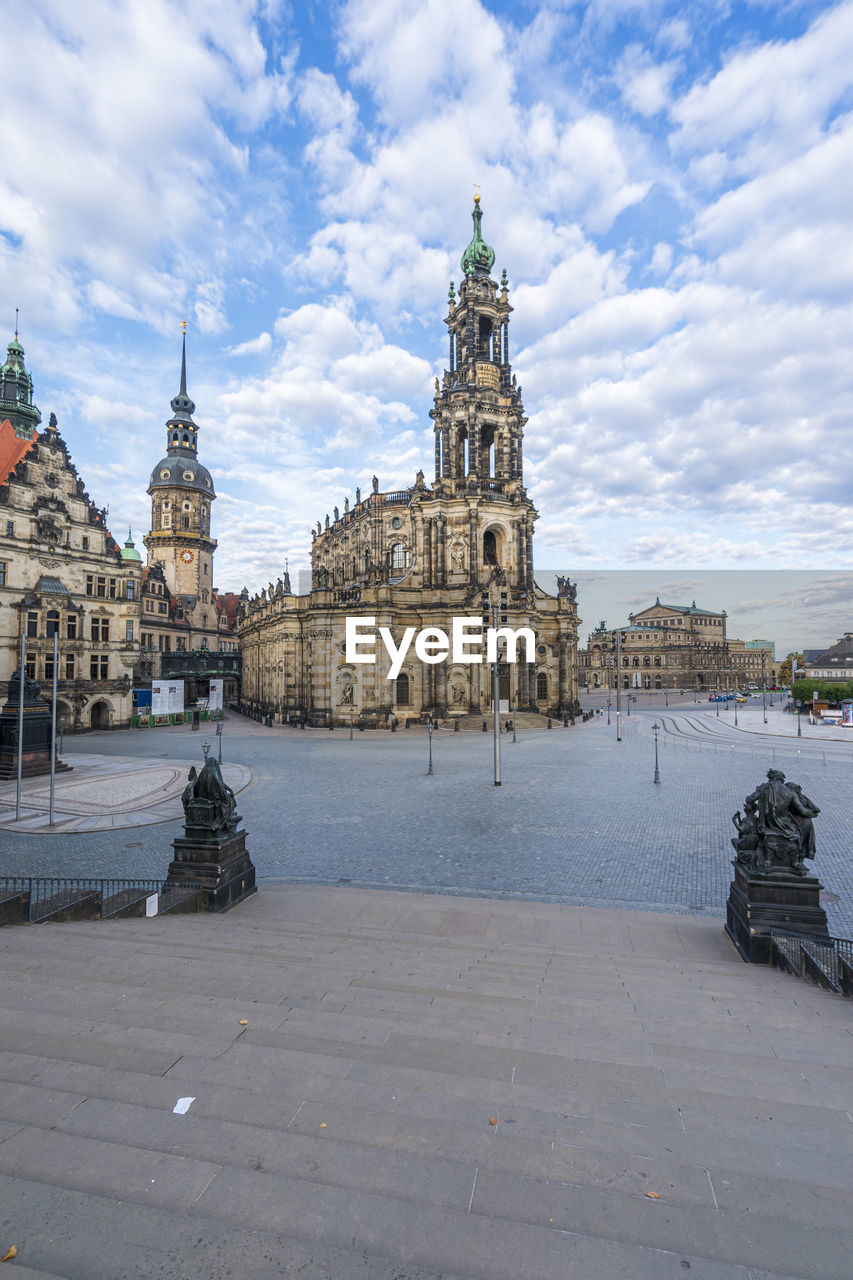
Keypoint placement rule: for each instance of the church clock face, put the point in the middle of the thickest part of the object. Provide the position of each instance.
(187, 557)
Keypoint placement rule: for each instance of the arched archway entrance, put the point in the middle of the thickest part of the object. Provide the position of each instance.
(101, 715)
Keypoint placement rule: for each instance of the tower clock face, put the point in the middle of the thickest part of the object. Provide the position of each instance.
(187, 557)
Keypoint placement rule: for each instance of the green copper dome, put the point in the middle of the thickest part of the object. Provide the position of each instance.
(128, 551)
(479, 257)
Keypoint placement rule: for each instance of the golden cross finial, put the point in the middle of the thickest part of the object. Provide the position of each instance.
(476, 193)
(183, 326)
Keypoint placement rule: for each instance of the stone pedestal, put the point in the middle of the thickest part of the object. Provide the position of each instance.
(37, 731)
(758, 903)
(220, 863)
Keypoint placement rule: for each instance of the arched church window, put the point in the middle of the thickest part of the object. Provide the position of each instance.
(398, 556)
(52, 628)
(490, 548)
(402, 690)
(542, 687)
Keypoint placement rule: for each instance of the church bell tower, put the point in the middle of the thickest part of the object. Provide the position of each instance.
(182, 492)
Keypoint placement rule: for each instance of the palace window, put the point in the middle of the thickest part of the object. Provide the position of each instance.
(69, 666)
(162, 607)
(113, 588)
(100, 630)
(30, 665)
(48, 666)
(86, 548)
(52, 628)
(131, 590)
(2, 573)
(128, 631)
(99, 666)
(71, 626)
(398, 556)
(402, 690)
(542, 687)
(32, 625)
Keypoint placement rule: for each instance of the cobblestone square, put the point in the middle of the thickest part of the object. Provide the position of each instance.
(577, 818)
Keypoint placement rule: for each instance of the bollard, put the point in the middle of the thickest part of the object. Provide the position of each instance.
(456, 725)
(485, 727)
(550, 726)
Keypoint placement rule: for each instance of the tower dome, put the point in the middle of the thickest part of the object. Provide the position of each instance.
(478, 259)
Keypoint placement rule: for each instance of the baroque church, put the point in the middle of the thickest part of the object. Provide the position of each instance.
(419, 557)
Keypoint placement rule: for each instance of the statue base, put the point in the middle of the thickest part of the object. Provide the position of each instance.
(35, 761)
(221, 864)
(758, 903)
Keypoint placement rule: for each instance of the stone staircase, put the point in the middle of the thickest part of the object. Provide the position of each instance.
(339, 1083)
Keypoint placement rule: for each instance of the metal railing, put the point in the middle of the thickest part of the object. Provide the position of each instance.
(825, 960)
(51, 895)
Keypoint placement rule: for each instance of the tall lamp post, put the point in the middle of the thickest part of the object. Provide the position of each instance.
(618, 686)
(496, 689)
(429, 735)
(514, 715)
(763, 685)
(794, 670)
(656, 731)
(609, 682)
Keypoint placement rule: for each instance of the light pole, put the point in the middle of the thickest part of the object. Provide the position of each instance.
(514, 715)
(219, 737)
(618, 686)
(763, 685)
(735, 710)
(496, 713)
(656, 731)
(350, 724)
(205, 749)
(429, 735)
(794, 670)
(666, 697)
(61, 732)
(609, 683)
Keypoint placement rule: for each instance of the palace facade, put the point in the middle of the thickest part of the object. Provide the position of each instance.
(461, 546)
(674, 646)
(62, 573)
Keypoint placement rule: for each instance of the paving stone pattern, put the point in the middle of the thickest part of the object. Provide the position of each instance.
(408, 1087)
(577, 818)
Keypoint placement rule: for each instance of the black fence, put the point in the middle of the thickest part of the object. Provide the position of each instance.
(819, 958)
(73, 897)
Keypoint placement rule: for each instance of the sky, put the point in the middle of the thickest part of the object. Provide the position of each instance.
(668, 185)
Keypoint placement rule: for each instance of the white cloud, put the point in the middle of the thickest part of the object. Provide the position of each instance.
(770, 102)
(252, 346)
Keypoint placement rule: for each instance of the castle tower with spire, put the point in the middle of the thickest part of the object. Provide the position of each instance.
(420, 556)
(180, 547)
(16, 391)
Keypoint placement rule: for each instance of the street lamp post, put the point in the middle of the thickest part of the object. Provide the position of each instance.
(350, 724)
(618, 686)
(514, 715)
(496, 716)
(763, 685)
(735, 710)
(219, 738)
(656, 731)
(429, 735)
(794, 670)
(609, 683)
(61, 732)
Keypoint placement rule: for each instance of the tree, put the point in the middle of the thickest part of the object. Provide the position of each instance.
(785, 668)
